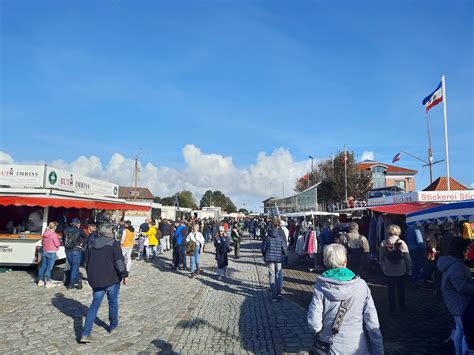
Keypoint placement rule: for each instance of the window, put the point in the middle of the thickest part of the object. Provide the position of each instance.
(378, 177)
(401, 184)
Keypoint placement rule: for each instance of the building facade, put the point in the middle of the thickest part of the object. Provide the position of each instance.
(385, 175)
(302, 201)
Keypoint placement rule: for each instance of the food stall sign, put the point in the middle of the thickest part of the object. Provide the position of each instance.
(423, 196)
(22, 176)
(69, 181)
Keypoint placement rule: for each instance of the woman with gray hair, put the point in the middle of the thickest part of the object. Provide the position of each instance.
(342, 312)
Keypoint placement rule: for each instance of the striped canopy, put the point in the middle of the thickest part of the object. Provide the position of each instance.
(451, 212)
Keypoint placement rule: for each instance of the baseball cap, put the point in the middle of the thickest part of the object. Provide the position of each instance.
(76, 221)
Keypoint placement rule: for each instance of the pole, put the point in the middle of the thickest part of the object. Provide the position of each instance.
(345, 169)
(430, 150)
(443, 85)
(136, 178)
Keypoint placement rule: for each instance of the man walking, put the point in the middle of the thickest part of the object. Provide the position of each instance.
(236, 239)
(274, 249)
(180, 240)
(105, 270)
(165, 228)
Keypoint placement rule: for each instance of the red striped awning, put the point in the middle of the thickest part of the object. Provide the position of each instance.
(69, 203)
(403, 208)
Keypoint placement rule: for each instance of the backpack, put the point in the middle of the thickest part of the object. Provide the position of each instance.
(394, 252)
(191, 247)
(71, 237)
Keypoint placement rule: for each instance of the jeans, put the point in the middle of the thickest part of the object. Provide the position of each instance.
(396, 284)
(153, 250)
(127, 255)
(194, 259)
(274, 270)
(74, 260)
(167, 242)
(458, 338)
(162, 245)
(47, 263)
(182, 255)
(417, 259)
(237, 249)
(97, 297)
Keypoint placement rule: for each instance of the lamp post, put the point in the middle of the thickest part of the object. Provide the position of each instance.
(310, 157)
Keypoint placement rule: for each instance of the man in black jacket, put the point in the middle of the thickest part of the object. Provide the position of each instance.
(105, 270)
(74, 242)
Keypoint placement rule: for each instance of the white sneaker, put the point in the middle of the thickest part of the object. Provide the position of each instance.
(40, 283)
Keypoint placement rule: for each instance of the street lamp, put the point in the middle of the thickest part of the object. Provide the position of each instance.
(310, 157)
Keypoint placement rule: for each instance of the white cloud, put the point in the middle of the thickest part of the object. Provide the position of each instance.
(269, 175)
(367, 155)
(5, 158)
(472, 186)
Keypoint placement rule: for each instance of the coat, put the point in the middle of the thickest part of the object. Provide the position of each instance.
(274, 247)
(222, 249)
(390, 269)
(360, 331)
(457, 285)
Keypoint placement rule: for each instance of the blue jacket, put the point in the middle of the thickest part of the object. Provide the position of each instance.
(274, 247)
(178, 235)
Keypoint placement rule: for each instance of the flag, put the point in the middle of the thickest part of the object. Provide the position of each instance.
(434, 98)
(344, 157)
(176, 202)
(306, 177)
(396, 158)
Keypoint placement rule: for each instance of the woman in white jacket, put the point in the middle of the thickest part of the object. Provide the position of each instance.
(196, 237)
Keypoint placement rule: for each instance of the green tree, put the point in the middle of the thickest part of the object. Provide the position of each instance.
(186, 199)
(331, 175)
(244, 211)
(167, 201)
(206, 199)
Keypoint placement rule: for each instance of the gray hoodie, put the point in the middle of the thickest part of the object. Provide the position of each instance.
(360, 330)
(457, 285)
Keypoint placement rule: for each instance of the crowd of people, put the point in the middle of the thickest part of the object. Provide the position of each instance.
(341, 255)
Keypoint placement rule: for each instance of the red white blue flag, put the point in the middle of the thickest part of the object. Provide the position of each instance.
(396, 158)
(434, 98)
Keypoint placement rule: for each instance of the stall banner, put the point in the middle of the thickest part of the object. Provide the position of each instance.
(22, 176)
(423, 196)
(68, 181)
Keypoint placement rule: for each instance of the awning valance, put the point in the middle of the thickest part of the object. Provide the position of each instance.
(403, 208)
(459, 211)
(69, 203)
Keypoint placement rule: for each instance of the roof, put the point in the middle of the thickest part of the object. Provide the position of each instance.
(457, 211)
(441, 184)
(391, 169)
(128, 192)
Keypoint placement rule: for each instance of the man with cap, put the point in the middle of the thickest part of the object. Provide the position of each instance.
(105, 268)
(74, 241)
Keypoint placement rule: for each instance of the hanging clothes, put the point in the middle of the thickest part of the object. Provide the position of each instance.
(299, 249)
(312, 244)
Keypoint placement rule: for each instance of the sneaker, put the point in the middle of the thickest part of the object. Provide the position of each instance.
(40, 283)
(79, 285)
(86, 339)
(192, 276)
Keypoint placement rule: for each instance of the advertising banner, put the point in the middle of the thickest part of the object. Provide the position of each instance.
(22, 176)
(68, 181)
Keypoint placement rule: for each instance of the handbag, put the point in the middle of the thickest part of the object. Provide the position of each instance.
(191, 247)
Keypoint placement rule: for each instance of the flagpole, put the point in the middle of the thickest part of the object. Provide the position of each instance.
(430, 150)
(443, 85)
(345, 169)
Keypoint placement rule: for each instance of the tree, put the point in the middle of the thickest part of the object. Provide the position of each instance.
(331, 175)
(244, 211)
(157, 199)
(186, 199)
(206, 199)
(167, 201)
(218, 199)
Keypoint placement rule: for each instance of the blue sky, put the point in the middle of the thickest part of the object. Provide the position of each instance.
(235, 78)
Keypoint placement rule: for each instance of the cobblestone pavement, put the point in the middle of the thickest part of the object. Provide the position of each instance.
(423, 329)
(161, 311)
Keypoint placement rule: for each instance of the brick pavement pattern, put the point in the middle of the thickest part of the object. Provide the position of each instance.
(161, 311)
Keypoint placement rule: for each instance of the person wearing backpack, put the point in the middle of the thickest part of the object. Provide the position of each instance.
(357, 250)
(74, 242)
(394, 259)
